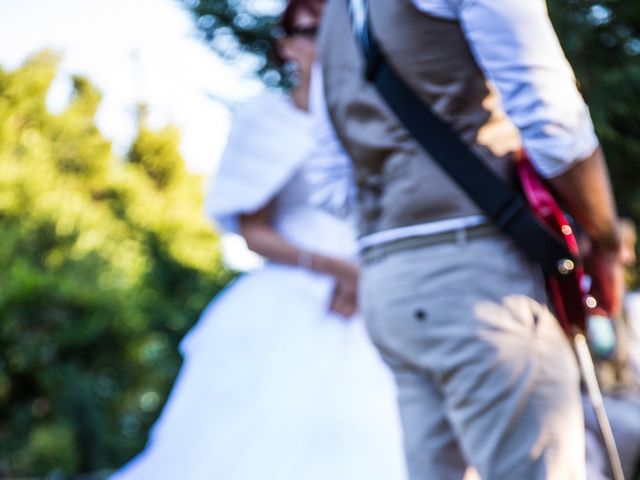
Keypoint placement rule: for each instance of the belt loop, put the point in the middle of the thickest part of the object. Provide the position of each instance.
(373, 255)
(461, 235)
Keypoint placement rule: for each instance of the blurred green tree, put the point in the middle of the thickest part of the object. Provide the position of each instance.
(241, 29)
(104, 263)
(602, 41)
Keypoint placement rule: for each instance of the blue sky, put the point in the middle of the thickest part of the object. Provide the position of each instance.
(133, 50)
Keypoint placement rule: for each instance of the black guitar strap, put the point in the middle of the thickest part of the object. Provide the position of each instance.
(500, 202)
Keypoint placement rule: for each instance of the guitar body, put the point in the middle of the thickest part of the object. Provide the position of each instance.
(569, 295)
(567, 289)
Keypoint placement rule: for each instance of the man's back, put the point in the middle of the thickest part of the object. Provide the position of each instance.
(398, 183)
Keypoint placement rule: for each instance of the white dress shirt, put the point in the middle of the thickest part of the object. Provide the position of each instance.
(515, 45)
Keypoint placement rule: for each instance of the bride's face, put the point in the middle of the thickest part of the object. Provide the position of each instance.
(299, 45)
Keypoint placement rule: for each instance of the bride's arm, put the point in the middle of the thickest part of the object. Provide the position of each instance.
(257, 230)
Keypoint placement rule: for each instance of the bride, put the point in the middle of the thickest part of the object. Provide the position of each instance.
(279, 381)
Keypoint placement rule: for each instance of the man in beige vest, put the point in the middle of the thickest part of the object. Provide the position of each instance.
(486, 376)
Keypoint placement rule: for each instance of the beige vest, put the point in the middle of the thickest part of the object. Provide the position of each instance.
(398, 183)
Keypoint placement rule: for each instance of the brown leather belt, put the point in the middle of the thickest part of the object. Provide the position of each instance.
(375, 253)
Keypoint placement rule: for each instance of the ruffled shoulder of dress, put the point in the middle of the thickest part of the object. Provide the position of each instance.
(269, 140)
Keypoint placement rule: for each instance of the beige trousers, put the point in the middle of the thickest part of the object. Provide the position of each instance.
(486, 377)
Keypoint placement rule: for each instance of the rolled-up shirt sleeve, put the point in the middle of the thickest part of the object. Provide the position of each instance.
(515, 45)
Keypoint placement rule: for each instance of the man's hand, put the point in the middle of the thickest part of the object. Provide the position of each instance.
(586, 193)
(607, 279)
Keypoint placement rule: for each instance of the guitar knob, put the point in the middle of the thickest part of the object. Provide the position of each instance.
(565, 266)
(591, 302)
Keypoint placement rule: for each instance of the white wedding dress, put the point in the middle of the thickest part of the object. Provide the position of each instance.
(274, 386)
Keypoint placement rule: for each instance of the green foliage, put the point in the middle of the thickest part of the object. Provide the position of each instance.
(157, 153)
(49, 445)
(602, 42)
(235, 28)
(104, 263)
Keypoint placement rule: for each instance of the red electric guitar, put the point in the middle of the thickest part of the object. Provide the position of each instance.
(568, 290)
(569, 294)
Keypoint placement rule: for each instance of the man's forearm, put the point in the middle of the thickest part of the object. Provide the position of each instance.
(586, 192)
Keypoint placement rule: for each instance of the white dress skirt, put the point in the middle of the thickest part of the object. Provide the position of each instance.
(273, 385)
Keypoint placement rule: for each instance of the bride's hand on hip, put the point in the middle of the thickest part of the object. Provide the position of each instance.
(344, 300)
